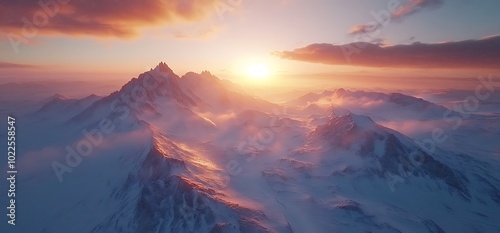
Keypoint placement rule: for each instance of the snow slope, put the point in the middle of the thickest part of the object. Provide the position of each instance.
(195, 154)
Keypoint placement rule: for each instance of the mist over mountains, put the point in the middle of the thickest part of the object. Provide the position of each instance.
(194, 153)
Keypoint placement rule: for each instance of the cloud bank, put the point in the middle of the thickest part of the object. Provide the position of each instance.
(483, 53)
(115, 18)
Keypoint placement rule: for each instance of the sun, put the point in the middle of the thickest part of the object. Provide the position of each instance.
(257, 71)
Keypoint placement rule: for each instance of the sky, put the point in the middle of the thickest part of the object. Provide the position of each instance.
(297, 40)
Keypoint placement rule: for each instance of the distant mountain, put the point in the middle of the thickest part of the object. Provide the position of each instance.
(59, 106)
(379, 106)
(215, 95)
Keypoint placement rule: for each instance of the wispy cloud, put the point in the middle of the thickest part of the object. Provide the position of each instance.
(482, 53)
(114, 18)
(8, 65)
(399, 13)
(414, 6)
(363, 28)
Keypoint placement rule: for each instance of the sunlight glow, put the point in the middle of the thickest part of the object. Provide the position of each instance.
(257, 71)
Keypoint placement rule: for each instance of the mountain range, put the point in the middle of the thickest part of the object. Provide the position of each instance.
(195, 153)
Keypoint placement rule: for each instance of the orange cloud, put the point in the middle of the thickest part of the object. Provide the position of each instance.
(414, 6)
(483, 53)
(364, 28)
(115, 18)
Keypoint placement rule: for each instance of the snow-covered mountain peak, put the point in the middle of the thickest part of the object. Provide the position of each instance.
(59, 96)
(217, 95)
(163, 67)
(405, 100)
(92, 97)
(206, 73)
(343, 118)
(345, 130)
(151, 85)
(202, 78)
(56, 97)
(339, 91)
